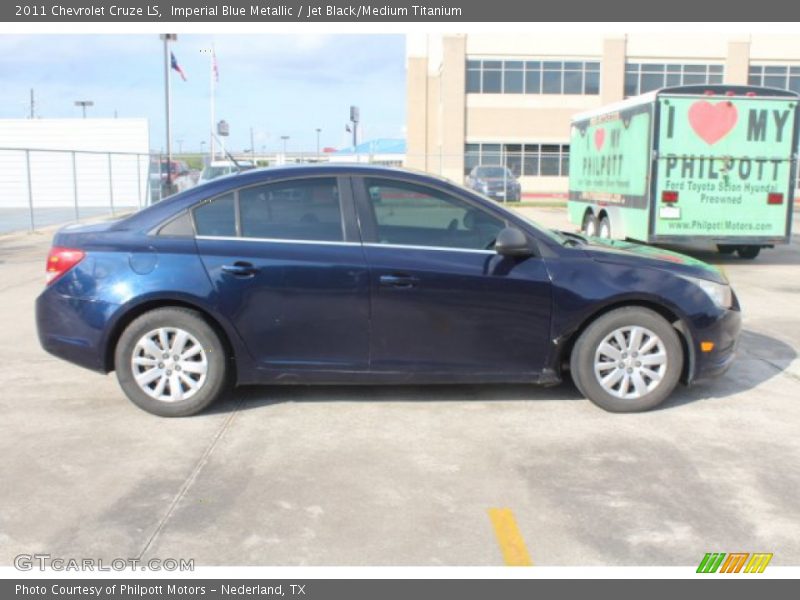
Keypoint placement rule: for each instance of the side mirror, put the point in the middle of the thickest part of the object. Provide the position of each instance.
(512, 242)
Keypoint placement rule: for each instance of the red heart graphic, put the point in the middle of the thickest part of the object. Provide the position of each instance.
(599, 137)
(712, 122)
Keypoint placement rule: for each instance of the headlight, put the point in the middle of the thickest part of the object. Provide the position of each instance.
(720, 293)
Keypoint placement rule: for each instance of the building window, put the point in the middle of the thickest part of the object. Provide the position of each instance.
(646, 77)
(528, 160)
(784, 77)
(533, 77)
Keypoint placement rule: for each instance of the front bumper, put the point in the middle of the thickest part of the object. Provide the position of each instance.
(724, 334)
(501, 196)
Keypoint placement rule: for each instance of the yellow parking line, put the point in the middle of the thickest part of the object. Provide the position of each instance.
(515, 554)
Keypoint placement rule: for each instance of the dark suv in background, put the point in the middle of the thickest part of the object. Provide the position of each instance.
(498, 183)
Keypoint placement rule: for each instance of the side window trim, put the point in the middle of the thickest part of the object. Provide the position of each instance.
(367, 223)
(237, 213)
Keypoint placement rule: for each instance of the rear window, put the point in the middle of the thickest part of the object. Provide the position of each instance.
(493, 172)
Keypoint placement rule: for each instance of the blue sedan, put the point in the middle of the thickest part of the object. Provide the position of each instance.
(357, 274)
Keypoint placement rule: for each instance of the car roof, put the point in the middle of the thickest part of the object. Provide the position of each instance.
(221, 185)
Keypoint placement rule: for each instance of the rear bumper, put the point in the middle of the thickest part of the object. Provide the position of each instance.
(73, 329)
(724, 334)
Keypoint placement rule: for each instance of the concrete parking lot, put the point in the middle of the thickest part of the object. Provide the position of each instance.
(404, 475)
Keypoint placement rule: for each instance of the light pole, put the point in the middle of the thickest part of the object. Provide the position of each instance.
(318, 130)
(83, 104)
(167, 38)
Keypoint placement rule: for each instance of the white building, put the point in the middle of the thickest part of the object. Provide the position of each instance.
(99, 160)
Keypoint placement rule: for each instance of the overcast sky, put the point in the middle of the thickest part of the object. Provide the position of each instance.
(278, 84)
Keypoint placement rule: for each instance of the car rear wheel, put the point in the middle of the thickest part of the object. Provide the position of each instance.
(628, 360)
(171, 362)
(590, 225)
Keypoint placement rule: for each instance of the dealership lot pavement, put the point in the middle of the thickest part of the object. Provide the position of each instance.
(404, 475)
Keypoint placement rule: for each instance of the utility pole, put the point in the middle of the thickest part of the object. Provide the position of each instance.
(354, 119)
(318, 130)
(83, 104)
(285, 139)
(33, 105)
(252, 146)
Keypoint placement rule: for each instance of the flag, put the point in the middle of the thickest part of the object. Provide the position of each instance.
(214, 65)
(174, 64)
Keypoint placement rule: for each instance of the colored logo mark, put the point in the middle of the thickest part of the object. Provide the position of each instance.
(735, 562)
(712, 122)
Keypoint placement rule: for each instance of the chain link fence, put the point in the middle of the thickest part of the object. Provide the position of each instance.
(39, 188)
(42, 188)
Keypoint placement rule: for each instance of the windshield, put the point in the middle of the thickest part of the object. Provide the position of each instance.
(498, 172)
(214, 172)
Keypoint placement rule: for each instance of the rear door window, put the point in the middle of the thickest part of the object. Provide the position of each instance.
(307, 210)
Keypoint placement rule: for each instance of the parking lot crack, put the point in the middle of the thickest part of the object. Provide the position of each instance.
(189, 481)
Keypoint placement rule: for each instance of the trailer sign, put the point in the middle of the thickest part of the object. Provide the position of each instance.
(722, 154)
(610, 155)
(688, 163)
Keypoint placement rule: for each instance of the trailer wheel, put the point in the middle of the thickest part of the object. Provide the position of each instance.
(605, 228)
(725, 249)
(590, 224)
(748, 251)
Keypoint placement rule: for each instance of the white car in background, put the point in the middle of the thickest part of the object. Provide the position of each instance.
(219, 168)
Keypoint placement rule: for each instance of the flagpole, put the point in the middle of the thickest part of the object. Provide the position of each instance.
(168, 105)
(213, 93)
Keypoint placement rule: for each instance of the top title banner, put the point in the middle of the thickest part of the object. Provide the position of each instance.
(412, 11)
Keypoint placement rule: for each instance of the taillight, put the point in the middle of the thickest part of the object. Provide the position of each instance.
(774, 198)
(669, 196)
(61, 260)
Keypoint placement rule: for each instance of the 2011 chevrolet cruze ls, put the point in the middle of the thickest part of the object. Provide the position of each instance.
(343, 274)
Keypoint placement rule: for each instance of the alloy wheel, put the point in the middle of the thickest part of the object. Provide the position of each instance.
(630, 362)
(169, 364)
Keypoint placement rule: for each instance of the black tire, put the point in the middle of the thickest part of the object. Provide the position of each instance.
(583, 356)
(215, 384)
(749, 252)
(589, 224)
(605, 223)
(726, 249)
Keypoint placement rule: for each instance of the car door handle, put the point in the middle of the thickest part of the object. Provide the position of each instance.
(398, 281)
(240, 269)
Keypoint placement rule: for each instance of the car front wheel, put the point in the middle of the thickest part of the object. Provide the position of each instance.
(171, 362)
(628, 360)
